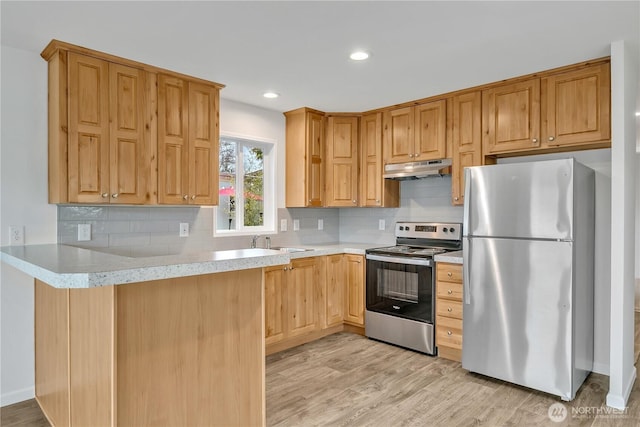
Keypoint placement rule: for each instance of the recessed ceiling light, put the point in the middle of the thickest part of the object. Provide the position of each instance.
(271, 95)
(359, 55)
(637, 113)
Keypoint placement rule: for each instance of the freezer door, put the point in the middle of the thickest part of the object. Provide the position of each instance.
(517, 312)
(521, 200)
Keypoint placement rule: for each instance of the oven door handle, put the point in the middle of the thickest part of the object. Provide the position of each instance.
(401, 260)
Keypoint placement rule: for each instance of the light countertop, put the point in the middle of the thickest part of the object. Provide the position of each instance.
(66, 266)
(451, 257)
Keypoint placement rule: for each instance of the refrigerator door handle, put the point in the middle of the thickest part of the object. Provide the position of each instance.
(467, 201)
(466, 260)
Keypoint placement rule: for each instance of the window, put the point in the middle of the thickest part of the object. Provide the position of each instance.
(246, 187)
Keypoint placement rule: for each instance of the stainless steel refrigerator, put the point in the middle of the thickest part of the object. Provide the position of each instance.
(528, 242)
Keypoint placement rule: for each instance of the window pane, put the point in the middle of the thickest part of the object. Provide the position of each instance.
(226, 206)
(253, 186)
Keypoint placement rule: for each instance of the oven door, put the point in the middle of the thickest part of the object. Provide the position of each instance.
(401, 286)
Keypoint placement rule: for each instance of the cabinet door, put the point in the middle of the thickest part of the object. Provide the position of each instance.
(398, 143)
(354, 299)
(88, 161)
(315, 151)
(335, 290)
(375, 191)
(130, 156)
(430, 130)
(342, 162)
(275, 304)
(576, 107)
(304, 300)
(511, 117)
(203, 144)
(173, 144)
(466, 140)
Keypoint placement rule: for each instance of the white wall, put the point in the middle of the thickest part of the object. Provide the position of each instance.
(23, 201)
(624, 86)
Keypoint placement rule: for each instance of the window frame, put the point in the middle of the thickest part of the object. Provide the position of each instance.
(269, 148)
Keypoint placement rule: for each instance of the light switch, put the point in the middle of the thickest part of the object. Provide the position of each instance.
(184, 229)
(381, 225)
(296, 224)
(283, 225)
(320, 224)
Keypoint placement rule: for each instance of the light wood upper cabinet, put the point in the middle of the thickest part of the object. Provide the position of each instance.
(354, 289)
(305, 147)
(576, 107)
(511, 117)
(375, 190)
(110, 131)
(466, 140)
(342, 161)
(570, 109)
(114, 121)
(188, 137)
(416, 133)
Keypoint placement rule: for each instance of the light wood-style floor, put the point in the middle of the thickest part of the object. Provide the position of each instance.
(348, 380)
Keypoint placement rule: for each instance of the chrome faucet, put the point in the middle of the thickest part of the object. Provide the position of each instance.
(254, 240)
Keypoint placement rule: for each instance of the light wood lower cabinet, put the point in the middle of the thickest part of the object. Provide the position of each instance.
(184, 351)
(449, 310)
(311, 298)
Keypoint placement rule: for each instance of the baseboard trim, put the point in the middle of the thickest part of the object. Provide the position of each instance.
(620, 401)
(17, 396)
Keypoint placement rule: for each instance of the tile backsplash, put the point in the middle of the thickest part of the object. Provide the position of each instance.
(155, 230)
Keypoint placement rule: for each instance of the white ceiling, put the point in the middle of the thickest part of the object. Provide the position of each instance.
(300, 49)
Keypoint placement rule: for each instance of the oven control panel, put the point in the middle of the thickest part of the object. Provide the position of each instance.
(429, 230)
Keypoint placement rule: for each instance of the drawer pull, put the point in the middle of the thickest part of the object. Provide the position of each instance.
(448, 332)
(449, 291)
(449, 274)
(449, 309)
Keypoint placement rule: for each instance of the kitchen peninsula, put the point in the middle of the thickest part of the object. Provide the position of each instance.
(165, 340)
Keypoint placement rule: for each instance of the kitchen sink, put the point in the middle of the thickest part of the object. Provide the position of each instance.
(289, 249)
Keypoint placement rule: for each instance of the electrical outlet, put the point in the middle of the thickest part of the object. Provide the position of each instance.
(381, 225)
(184, 229)
(84, 232)
(16, 235)
(320, 224)
(283, 225)
(296, 224)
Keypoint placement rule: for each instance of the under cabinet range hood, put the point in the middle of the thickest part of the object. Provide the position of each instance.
(415, 170)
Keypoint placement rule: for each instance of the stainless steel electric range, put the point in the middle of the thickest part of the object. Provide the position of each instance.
(400, 284)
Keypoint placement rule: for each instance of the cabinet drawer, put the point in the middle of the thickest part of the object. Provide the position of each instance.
(448, 337)
(449, 308)
(449, 272)
(449, 290)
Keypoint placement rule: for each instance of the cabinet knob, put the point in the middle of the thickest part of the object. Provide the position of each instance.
(456, 198)
(449, 291)
(449, 309)
(449, 274)
(551, 138)
(193, 197)
(354, 200)
(534, 140)
(290, 268)
(185, 197)
(410, 155)
(285, 269)
(377, 201)
(448, 332)
(105, 195)
(416, 155)
(115, 195)
(309, 200)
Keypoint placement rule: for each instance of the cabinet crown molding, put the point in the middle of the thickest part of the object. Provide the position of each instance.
(55, 46)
